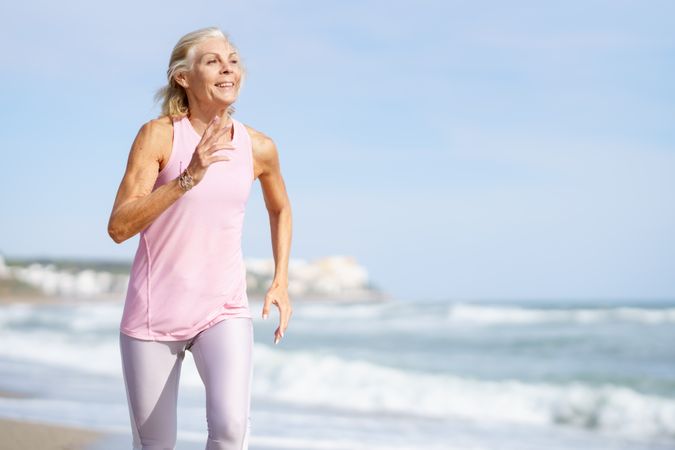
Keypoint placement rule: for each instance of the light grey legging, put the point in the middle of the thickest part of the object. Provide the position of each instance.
(151, 369)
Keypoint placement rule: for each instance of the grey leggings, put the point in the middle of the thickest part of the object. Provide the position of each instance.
(151, 369)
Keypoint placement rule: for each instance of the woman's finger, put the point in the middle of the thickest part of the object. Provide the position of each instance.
(217, 136)
(284, 316)
(218, 146)
(215, 147)
(225, 131)
(215, 132)
(210, 129)
(216, 159)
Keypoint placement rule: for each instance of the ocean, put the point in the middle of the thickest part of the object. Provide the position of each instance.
(391, 375)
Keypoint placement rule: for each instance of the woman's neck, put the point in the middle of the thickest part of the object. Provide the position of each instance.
(201, 117)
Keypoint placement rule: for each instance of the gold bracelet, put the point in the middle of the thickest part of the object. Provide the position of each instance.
(185, 180)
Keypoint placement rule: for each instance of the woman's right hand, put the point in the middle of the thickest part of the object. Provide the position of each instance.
(216, 137)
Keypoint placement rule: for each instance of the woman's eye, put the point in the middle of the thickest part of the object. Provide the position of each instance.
(234, 61)
(211, 61)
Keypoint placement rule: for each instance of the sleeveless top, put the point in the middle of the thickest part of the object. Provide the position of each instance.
(188, 272)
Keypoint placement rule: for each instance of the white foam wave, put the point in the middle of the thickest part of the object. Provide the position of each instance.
(76, 318)
(483, 314)
(61, 350)
(310, 378)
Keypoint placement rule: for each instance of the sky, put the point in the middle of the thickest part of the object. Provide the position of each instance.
(458, 150)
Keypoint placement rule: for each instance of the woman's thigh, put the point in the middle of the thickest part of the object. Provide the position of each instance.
(223, 356)
(151, 372)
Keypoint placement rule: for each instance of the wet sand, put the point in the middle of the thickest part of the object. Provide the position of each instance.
(20, 435)
(28, 435)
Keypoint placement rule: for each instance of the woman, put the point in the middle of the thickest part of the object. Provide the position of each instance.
(185, 188)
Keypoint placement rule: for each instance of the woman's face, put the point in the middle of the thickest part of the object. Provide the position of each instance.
(216, 74)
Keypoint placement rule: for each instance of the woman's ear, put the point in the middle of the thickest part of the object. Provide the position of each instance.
(181, 79)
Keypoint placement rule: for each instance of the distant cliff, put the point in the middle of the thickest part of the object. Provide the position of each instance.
(332, 277)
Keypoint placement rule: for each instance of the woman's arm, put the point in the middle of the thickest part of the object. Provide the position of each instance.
(136, 204)
(279, 210)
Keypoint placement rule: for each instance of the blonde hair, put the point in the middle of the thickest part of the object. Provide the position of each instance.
(173, 96)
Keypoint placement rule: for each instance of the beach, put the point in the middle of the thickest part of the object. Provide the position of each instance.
(395, 375)
(19, 435)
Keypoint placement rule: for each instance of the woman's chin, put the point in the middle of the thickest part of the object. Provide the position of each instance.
(224, 102)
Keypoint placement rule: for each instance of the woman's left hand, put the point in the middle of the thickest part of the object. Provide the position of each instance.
(278, 295)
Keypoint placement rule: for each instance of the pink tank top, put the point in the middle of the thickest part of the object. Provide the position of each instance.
(188, 272)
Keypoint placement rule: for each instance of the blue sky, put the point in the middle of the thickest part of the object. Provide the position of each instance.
(464, 150)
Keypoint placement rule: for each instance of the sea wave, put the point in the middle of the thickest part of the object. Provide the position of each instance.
(317, 379)
(85, 339)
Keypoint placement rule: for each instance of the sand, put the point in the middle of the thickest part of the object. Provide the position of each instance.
(24, 435)
(19, 435)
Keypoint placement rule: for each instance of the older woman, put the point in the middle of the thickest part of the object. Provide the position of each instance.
(185, 188)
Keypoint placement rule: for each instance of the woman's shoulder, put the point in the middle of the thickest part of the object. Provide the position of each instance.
(159, 127)
(262, 143)
(155, 139)
(157, 133)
